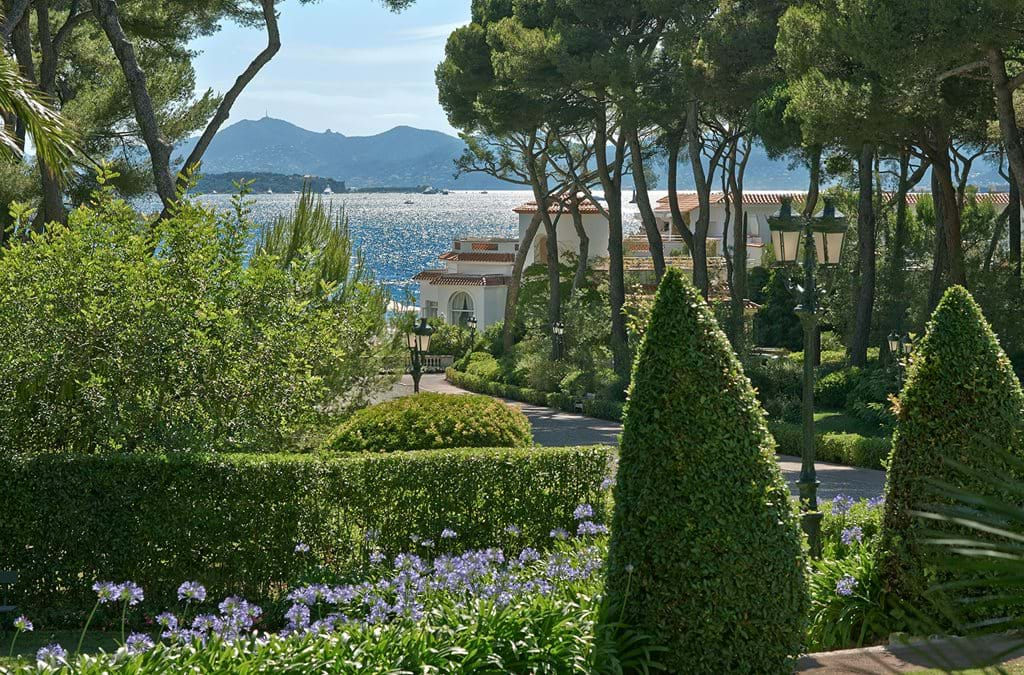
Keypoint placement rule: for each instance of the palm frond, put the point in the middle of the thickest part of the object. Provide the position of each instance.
(52, 137)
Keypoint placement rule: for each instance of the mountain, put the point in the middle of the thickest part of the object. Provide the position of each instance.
(262, 182)
(400, 156)
(405, 156)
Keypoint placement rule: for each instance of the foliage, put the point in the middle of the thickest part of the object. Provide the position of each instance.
(697, 482)
(849, 449)
(601, 408)
(831, 390)
(776, 324)
(234, 520)
(126, 334)
(449, 339)
(482, 364)
(961, 403)
(429, 421)
(51, 135)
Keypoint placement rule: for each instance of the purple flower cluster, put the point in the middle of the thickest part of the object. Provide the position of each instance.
(846, 586)
(875, 502)
(852, 535)
(23, 625)
(107, 592)
(842, 504)
(235, 620)
(191, 591)
(138, 643)
(52, 655)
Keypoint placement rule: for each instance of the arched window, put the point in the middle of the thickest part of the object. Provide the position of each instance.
(460, 309)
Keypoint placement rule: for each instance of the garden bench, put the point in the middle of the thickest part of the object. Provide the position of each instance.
(7, 581)
(579, 403)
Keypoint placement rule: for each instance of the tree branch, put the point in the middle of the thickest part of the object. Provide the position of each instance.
(74, 18)
(224, 110)
(962, 70)
(13, 19)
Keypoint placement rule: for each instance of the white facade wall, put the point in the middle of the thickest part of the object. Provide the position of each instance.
(594, 224)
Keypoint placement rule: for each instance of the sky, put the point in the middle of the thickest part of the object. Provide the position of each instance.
(351, 66)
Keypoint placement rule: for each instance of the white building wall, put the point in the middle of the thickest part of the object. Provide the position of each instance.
(594, 224)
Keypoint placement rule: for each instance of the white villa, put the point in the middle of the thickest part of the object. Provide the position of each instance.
(477, 271)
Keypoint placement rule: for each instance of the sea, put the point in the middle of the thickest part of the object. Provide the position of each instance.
(399, 234)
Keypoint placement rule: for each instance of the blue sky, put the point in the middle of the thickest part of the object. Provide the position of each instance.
(347, 65)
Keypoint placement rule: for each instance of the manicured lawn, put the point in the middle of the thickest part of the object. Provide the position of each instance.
(840, 423)
(28, 643)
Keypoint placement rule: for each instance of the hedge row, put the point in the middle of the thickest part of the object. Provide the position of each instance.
(848, 449)
(232, 521)
(597, 408)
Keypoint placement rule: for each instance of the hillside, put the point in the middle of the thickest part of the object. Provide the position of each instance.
(261, 182)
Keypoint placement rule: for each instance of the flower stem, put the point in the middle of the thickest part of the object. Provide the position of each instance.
(11, 653)
(81, 638)
(124, 612)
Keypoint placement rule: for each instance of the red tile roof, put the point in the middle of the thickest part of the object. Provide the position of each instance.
(556, 206)
(478, 256)
(688, 200)
(440, 278)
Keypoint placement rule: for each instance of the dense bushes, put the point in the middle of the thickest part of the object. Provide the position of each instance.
(234, 520)
(599, 408)
(961, 405)
(482, 364)
(705, 551)
(429, 421)
(123, 334)
(849, 449)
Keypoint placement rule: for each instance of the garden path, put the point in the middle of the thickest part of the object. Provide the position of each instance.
(556, 428)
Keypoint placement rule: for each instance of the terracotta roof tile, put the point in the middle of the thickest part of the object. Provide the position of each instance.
(688, 200)
(556, 206)
(440, 278)
(478, 256)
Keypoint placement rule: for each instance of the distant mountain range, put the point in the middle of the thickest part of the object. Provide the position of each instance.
(405, 156)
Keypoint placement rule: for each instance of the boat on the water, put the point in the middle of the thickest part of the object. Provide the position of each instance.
(328, 190)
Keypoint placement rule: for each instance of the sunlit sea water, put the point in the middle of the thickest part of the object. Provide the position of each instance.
(399, 239)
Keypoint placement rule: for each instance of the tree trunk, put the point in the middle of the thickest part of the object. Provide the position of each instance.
(1007, 116)
(515, 284)
(814, 185)
(898, 252)
(858, 350)
(52, 210)
(643, 200)
(580, 277)
(940, 258)
(678, 222)
(611, 180)
(737, 172)
(951, 218)
(699, 250)
(554, 278)
(1014, 225)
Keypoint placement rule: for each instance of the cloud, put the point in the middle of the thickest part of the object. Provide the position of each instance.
(435, 32)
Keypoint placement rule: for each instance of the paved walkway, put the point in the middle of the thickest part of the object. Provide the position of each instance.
(940, 655)
(556, 428)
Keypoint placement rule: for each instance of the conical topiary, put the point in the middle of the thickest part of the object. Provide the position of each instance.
(961, 405)
(705, 548)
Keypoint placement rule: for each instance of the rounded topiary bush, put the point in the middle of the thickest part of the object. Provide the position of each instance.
(959, 424)
(430, 421)
(705, 554)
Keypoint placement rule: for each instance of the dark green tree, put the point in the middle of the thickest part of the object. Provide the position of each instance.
(776, 323)
(961, 407)
(705, 550)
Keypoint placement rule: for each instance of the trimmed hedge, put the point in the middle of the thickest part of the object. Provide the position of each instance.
(705, 552)
(848, 449)
(597, 408)
(962, 405)
(430, 421)
(232, 521)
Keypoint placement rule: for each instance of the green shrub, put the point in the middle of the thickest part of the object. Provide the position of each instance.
(482, 364)
(449, 339)
(705, 551)
(962, 405)
(428, 421)
(603, 409)
(868, 399)
(121, 334)
(776, 324)
(832, 389)
(776, 379)
(234, 520)
(848, 449)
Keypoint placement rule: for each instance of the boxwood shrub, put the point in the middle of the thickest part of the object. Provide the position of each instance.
(428, 421)
(705, 552)
(849, 449)
(232, 521)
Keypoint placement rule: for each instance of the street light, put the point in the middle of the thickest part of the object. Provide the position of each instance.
(418, 342)
(900, 347)
(558, 330)
(472, 324)
(822, 243)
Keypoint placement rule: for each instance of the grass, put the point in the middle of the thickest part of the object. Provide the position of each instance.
(28, 644)
(834, 422)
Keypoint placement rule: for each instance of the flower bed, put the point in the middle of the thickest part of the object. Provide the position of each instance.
(158, 519)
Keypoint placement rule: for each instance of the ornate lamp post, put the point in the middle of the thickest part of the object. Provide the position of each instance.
(418, 342)
(822, 244)
(472, 324)
(900, 346)
(558, 331)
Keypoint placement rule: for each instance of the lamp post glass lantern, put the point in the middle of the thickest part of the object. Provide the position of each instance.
(558, 331)
(418, 341)
(823, 237)
(471, 323)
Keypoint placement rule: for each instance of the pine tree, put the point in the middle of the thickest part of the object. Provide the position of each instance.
(705, 550)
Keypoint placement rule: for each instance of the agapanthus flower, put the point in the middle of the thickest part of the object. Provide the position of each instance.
(191, 591)
(298, 616)
(842, 504)
(376, 557)
(427, 543)
(583, 512)
(23, 624)
(130, 592)
(52, 655)
(588, 527)
(528, 555)
(607, 483)
(852, 534)
(167, 620)
(846, 585)
(371, 536)
(513, 530)
(559, 533)
(106, 591)
(302, 547)
(449, 533)
(137, 643)
(875, 502)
